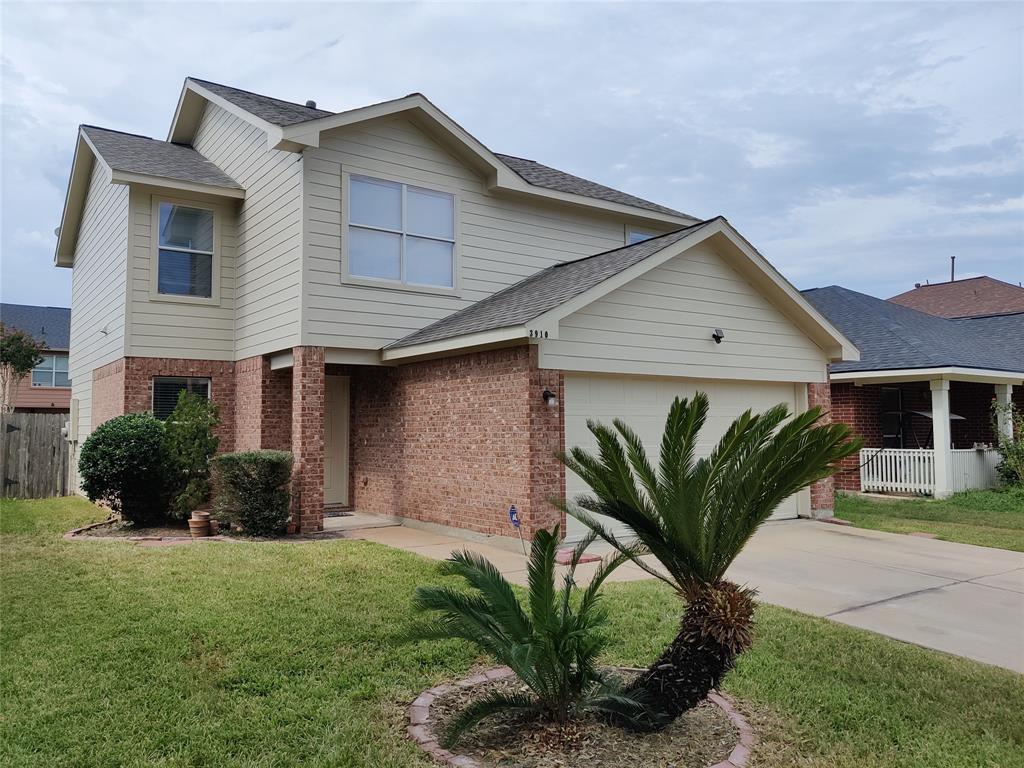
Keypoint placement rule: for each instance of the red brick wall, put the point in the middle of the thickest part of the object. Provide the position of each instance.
(107, 392)
(307, 437)
(822, 492)
(456, 441)
(263, 406)
(858, 407)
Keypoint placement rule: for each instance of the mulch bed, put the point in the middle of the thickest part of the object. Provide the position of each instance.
(171, 534)
(702, 737)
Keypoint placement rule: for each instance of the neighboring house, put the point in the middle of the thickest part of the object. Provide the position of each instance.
(972, 297)
(421, 321)
(47, 389)
(922, 382)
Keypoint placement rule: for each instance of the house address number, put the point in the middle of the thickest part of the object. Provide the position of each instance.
(535, 334)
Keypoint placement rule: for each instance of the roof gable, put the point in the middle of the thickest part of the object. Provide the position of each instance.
(292, 126)
(894, 337)
(542, 299)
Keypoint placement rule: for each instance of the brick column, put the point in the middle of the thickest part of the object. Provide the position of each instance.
(308, 382)
(547, 428)
(822, 492)
(263, 406)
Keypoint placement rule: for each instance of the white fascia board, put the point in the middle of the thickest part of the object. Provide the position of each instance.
(282, 360)
(273, 132)
(338, 356)
(947, 373)
(456, 343)
(126, 177)
(74, 199)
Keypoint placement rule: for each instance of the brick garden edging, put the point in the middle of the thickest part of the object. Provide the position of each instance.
(419, 729)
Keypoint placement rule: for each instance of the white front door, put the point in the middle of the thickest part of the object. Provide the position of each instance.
(336, 410)
(643, 404)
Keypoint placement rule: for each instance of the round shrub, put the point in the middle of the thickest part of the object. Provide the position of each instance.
(124, 463)
(252, 490)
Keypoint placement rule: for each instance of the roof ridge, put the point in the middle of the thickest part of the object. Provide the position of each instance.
(260, 95)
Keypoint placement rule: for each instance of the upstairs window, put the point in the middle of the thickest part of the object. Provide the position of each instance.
(400, 233)
(167, 388)
(634, 236)
(52, 372)
(185, 251)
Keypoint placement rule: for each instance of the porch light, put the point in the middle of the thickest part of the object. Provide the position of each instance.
(550, 398)
(718, 335)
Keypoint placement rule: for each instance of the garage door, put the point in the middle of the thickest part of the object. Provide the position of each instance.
(643, 404)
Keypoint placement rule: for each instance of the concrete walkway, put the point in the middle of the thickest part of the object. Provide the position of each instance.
(957, 598)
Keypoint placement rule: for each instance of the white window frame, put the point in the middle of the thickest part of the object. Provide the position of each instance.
(400, 284)
(53, 374)
(154, 271)
(188, 379)
(635, 231)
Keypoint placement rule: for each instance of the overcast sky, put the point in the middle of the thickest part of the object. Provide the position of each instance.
(852, 144)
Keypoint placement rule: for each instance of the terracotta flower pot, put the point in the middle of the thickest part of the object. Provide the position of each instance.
(199, 528)
(214, 527)
(200, 514)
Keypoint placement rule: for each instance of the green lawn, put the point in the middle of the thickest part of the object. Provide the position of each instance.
(986, 518)
(287, 654)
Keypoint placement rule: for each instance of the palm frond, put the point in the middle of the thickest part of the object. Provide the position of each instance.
(492, 704)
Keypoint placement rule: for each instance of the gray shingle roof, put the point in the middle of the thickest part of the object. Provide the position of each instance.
(893, 337)
(274, 111)
(540, 175)
(282, 113)
(51, 325)
(542, 291)
(150, 157)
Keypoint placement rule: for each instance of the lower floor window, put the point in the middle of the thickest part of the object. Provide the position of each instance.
(167, 388)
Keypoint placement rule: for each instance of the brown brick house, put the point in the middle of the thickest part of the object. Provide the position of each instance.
(47, 388)
(922, 383)
(423, 322)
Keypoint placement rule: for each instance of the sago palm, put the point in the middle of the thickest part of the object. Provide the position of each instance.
(552, 646)
(694, 516)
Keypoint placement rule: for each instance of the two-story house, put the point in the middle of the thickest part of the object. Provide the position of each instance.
(423, 322)
(47, 387)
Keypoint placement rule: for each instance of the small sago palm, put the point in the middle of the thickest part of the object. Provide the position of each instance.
(552, 646)
(694, 516)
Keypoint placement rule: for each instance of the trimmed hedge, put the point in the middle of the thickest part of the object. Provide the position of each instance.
(252, 490)
(124, 462)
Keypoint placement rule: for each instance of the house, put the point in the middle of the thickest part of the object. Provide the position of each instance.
(922, 383)
(47, 389)
(423, 322)
(971, 297)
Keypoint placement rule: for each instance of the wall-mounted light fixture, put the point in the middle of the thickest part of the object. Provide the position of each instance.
(550, 398)
(718, 335)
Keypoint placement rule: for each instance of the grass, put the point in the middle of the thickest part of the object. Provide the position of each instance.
(285, 654)
(985, 518)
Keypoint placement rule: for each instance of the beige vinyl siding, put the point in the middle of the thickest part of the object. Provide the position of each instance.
(98, 290)
(165, 327)
(661, 324)
(501, 240)
(268, 268)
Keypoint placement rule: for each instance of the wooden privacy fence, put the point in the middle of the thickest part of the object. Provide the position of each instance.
(34, 456)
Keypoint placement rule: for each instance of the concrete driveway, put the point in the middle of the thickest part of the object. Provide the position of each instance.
(957, 598)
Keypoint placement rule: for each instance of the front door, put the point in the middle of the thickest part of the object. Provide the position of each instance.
(336, 408)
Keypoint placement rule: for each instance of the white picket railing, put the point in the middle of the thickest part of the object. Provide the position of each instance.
(912, 470)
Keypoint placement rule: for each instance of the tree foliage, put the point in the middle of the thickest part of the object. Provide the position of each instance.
(552, 644)
(19, 354)
(695, 515)
(191, 445)
(1010, 447)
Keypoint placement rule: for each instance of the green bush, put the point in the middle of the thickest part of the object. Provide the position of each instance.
(251, 490)
(190, 446)
(1011, 449)
(124, 463)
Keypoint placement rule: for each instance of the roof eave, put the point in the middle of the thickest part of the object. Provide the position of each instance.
(189, 111)
(456, 344)
(947, 373)
(178, 185)
(74, 199)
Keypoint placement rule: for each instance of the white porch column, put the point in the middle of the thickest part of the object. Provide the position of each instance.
(941, 438)
(1004, 424)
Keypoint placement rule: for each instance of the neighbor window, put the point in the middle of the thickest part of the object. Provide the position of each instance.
(185, 255)
(401, 233)
(51, 372)
(634, 236)
(167, 388)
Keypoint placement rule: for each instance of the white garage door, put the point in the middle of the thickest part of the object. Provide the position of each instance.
(643, 404)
